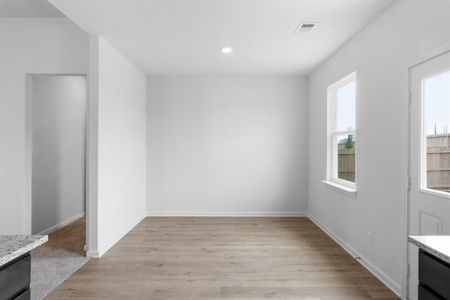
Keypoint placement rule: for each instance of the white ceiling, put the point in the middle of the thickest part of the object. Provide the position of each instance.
(28, 9)
(185, 36)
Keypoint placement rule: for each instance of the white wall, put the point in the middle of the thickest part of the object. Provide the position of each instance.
(380, 54)
(221, 145)
(33, 45)
(117, 192)
(58, 167)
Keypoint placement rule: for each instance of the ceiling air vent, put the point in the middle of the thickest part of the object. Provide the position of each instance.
(305, 27)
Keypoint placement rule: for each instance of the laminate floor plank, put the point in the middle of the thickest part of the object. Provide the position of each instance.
(224, 258)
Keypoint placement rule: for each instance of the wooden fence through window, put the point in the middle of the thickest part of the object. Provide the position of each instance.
(438, 162)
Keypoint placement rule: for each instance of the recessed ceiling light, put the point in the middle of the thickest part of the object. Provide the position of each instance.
(227, 50)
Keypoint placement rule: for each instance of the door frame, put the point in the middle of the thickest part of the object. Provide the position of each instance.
(27, 221)
(443, 50)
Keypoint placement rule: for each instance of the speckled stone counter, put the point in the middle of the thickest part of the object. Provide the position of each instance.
(438, 246)
(13, 246)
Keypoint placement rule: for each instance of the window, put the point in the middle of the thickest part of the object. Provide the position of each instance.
(341, 132)
(435, 136)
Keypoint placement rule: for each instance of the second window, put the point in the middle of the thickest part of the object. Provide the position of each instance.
(342, 131)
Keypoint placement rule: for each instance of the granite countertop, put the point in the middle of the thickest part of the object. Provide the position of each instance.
(438, 246)
(13, 246)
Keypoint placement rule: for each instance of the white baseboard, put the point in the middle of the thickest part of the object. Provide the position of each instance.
(101, 252)
(92, 253)
(225, 214)
(383, 277)
(62, 224)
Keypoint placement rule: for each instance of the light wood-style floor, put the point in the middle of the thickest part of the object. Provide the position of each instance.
(224, 258)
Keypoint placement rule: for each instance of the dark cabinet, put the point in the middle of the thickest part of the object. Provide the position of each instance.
(424, 294)
(15, 279)
(24, 296)
(434, 277)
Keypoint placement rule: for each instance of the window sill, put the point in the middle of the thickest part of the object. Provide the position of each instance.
(341, 188)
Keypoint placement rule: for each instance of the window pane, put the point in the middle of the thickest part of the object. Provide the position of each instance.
(346, 145)
(437, 123)
(346, 100)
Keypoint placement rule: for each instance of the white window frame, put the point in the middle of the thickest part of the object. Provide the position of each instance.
(332, 134)
(423, 142)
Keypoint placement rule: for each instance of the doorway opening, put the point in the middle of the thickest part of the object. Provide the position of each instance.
(58, 118)
(57, 112)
